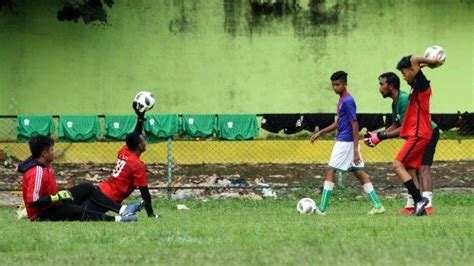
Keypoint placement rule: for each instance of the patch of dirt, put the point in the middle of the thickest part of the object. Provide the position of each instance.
(445, 174)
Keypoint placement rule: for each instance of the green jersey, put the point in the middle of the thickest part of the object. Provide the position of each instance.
(399, 108)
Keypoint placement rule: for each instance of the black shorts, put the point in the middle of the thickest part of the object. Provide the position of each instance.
(428, 155)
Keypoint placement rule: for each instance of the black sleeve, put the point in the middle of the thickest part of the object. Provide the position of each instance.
(420, 82)
(42, 202)
(147, 198)
(140, 120)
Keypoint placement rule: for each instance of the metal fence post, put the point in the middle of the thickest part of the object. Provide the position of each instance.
(170, 165)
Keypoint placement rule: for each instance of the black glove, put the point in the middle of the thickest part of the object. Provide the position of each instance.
(136, 107)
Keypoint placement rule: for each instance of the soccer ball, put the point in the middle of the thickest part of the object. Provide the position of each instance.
(306, 206)
(434, 52)
(145, 101)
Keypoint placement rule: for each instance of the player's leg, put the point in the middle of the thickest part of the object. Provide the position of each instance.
(425, 170)
(364, 179)
(73, 212)
(327, 190)
(409, 208)
(87, 191)
(338, 164)
(89, 205)
(410, 157)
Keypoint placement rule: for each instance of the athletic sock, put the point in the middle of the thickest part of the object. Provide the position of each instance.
(415, 192)
(429, 195)
(369, 189)
(122, 209)
(327, 190)
(410, 202)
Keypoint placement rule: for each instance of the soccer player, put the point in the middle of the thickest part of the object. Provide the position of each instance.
(345, 154)
(390, 88)
(44, 202)
(130, 171)
(416, 126)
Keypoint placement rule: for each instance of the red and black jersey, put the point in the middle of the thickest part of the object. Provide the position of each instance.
(417, 121)
(38, 181)
(129, 173)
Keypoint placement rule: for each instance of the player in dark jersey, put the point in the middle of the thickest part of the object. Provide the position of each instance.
(415, 128)
(43, 200)
(130, 172)
(389, 87)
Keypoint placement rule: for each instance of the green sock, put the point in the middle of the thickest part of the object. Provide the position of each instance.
(327, 190)
(375, 199)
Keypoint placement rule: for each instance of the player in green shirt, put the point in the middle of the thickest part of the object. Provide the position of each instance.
(390, 87)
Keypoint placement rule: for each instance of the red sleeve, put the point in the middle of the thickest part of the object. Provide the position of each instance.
(33, 184)
(139, 175)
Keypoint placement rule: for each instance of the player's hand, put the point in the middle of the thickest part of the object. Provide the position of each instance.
(436, 62)
(63, 195)
(357, 160)
(315, 136)
(137, 107)
(371, 139)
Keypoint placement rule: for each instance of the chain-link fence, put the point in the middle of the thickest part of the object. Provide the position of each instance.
(181, 161)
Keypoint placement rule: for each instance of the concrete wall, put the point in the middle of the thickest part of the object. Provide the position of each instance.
(220, 56)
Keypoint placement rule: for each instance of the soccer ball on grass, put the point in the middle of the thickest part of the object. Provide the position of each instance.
(306, 206)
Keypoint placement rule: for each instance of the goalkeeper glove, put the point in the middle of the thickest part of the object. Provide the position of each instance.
(62, 196)
(136, 107)
(371, 139)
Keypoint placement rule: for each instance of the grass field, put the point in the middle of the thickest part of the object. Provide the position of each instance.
(268, 232)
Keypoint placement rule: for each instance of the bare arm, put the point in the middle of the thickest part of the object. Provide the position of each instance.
(417, 62)
(323, 131)
(329, 128)
(393, 131)
(355, 137)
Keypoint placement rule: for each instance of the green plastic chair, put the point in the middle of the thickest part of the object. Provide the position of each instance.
(237, 127)
(78, 128)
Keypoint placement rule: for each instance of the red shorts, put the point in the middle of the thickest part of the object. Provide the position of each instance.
(412, 151)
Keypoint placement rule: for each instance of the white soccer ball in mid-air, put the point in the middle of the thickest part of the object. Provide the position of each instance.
(435, 51)
(145, 101)
(306, 206)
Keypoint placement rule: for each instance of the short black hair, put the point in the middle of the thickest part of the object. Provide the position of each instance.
(339, 75)
(133, 139)
(405, 62)
(38, 144)
(392, 79)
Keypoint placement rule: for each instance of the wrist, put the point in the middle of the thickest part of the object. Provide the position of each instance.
(382, 135)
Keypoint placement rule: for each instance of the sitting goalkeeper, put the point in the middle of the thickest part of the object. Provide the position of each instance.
(44, 202)
(130, 171)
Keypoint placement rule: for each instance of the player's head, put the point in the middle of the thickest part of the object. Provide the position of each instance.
(136, 142)
(388, 82)
(42, 147)
(404, 65)
(339, 81)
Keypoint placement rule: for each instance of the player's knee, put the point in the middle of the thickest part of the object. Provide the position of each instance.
(397, 165)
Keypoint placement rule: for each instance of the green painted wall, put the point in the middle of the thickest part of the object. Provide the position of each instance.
(217, 56)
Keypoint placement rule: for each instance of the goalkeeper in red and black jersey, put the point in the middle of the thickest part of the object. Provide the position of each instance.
(130, 172)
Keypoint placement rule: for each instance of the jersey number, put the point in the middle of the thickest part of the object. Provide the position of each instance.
(118, 168)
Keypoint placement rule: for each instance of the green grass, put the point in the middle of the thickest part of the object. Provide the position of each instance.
(265, 232)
